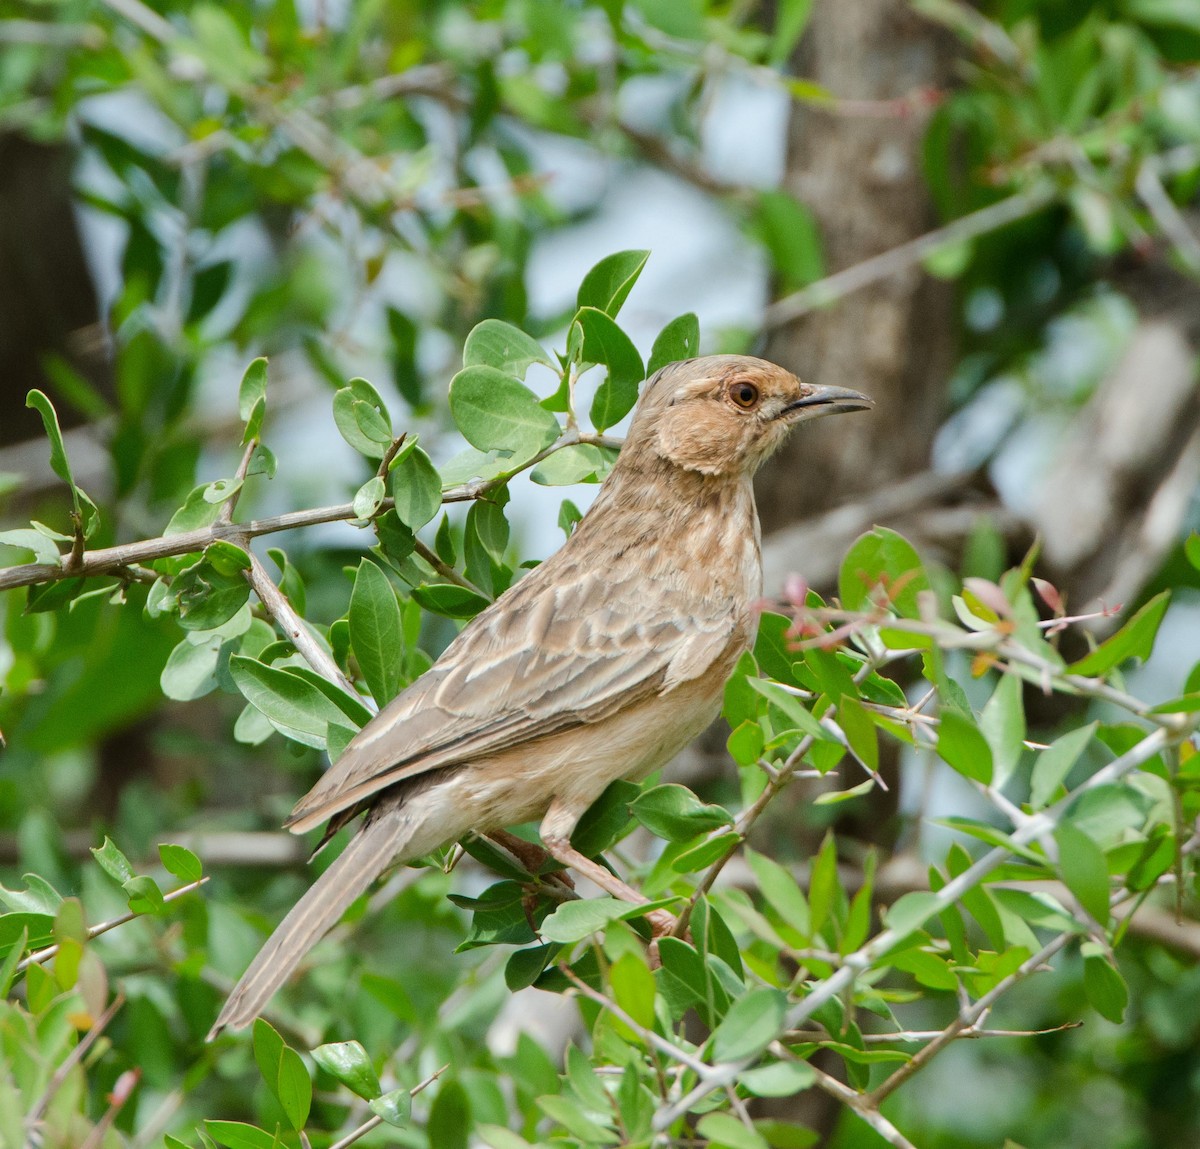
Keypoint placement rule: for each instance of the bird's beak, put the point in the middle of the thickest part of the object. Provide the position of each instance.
(819, 400)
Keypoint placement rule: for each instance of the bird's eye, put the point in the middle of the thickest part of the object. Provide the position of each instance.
(743, 394)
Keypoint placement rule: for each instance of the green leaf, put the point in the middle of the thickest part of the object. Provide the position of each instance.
(705, 852)
(793, 709)
(416, 489)
(579, 463)
(449, 1120)
(576, 1121)
(239, 1135)
(606, 820)
(362, 418)
(376, 632)
(962, 745)
(781, 890)
(190, 671)
(605, 343)
(209, 593)
(1002, 724)
(494, 411)
(824, 887)
(1084, 870)
(1102, 982)
(181, 862)
(197, 511)
(284, 1072)
(680, 339)
(59, 463)
(113, 862)
(44, 550)
(348, 1062)
(860, 731)
(1055, 762)
(789, 232)
(252, 398)
(294, 706)
(675, 813)
(633, 988)
(368, 497)
(394, 1107)
(910, 911)
(573, 921)
(725, 1131)
(1134, 640)
(882, 564)
(494, 343)
(782, 1079)
(608, 284)
(753, 1021)
(144, 895)
(449, 599)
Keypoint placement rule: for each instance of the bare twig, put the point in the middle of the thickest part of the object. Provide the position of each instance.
(239, 477)
(277, 606)
(1167, 216)
(863, 1107)
(673, 1051)
(851, 279)
(71, 1060)
(44, 955)
(446, 570)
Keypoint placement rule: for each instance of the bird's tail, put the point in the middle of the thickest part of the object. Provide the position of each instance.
(366, 856)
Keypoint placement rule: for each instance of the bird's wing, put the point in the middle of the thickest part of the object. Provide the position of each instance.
(553, 653)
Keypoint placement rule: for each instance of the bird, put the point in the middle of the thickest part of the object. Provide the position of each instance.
(601, 663)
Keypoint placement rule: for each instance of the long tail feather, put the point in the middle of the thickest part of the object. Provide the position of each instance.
(367, 855)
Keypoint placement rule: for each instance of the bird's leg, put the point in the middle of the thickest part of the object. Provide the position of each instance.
(556, 836)
(531, 856)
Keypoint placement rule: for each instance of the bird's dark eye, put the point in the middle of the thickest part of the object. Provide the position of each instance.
(743, 394)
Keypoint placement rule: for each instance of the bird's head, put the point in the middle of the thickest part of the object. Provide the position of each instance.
(726, 414)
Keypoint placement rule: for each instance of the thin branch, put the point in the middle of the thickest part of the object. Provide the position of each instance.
(239, 477)
(647, 1035)
(110, 559)
(446, 570)
(862, 1107)
(73, 1059)
(44, 955)
(375, 1122)
(775, 782)
(277, 606)
(1167, 216)
(962, 1025)
(896, 259)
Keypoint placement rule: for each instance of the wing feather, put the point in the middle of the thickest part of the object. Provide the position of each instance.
(538, 661)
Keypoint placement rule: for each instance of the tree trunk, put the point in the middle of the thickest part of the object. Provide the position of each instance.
(861, 177)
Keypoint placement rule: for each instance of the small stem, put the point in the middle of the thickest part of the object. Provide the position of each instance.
(239, 477)
(389, 455)
(647, 1035)
(864, 1107)
(446, 570)
(73, 1059)
(44, 955)
(277, 606)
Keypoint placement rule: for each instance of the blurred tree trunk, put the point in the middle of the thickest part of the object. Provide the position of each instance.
(48, 306)
(861, 177)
